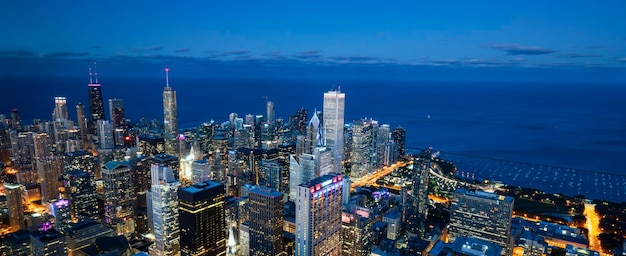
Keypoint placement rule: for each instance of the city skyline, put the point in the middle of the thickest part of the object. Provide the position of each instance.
(439, 41)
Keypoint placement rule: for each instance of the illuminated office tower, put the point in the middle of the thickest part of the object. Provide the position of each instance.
(170, 117)
(16, 122)
(323, 160)
(200, 171)
(82, 122)
(202, 219)
(15, 205)
(49, 169)
(96, 103)
(82, 160)
(482, 215)
(80, 190)
(105, 134)
(318, 216)
(266, 222)
(48, 242)
(313, 134)
(301, 170)
(59, 114)
(23, 149)
(383, 134)
(334, 107)
(419, 208)
(270, 112)
(399, 136)
(60, 210)
(42, 144)
(363, 142)
(272, 171)
(116, 112)
(164, 198)
(118, 197)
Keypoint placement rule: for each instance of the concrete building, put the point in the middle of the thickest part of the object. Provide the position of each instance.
(318, 216)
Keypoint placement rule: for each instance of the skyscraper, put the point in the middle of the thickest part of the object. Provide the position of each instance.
(15, 205)
(202, 219)
(170, 117)
(116, 112)
(266, 222)
(118, 196)
(82, 122)
(164, 198)
(49, 169)
(60, 210)
(59, 114)
(80, 189)
(399, 136)
(96, 104)
(269, 109)
(483, 215)
(318, 216)
(105, 134)
(334, 107)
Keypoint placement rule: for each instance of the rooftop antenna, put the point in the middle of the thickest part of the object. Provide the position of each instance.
(90, 76)
(339, 88)
(167, 77)
(266, 98)
(95, 70)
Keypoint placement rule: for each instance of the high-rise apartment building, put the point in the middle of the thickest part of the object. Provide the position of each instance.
(399, 136)
(49, 169)
(266, 222)
(334, 108)
(164, 204)
(363, 148)
(80, 190)
(96, 103)
(201, 219)
(15, 205)
(60, 210)
(118, 197)
(116, 112)
(482, 215)
(318, 216)
(170, 117)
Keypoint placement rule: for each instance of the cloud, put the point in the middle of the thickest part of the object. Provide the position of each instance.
(621, 60)
(595, 46)
(577, 55)
(96, 47)
(272, 54)
(312, 52)
(155, 48)
(182, 50)
(514, 49)
(236, 52)
(66, 54)
(17, 53)
(357, 58)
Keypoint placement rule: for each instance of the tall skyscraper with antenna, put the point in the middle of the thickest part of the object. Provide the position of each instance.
(170, 117)
(96, 104)
(334, 107)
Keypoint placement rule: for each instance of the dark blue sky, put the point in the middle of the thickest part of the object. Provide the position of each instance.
(446, 40)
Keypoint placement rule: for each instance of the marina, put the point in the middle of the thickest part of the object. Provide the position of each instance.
(551, 179)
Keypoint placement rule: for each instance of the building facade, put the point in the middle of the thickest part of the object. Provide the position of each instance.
(334, 108)
(482, 215)
(318, 216)
(202, 220)
(266, 222)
